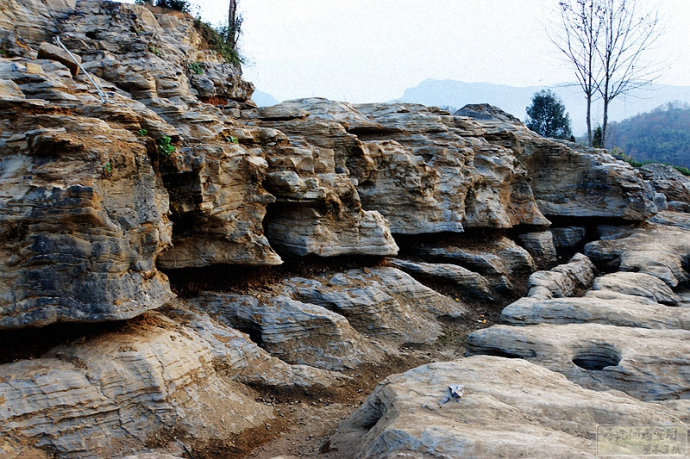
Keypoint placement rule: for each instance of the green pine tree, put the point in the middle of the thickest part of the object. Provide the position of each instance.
(547, 116)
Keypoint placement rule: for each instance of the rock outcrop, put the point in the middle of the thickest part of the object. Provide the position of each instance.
(163, 169)
(336, 321)
(667, 180)
(509, 408)
(629, 333)
(83, 215)
(124, 391)
(659, 250)
(568, 180)
(413, 165)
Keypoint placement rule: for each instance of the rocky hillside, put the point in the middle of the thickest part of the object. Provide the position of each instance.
(187, 275)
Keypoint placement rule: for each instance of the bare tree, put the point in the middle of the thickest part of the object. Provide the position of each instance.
(604, 41)
(234, 24)
(627, 34)
(581, 29)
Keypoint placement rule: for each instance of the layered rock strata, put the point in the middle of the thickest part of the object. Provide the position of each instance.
(169, 166)
(628, 333)
(567, 180)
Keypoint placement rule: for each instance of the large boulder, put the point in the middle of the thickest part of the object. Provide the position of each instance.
(508, 408)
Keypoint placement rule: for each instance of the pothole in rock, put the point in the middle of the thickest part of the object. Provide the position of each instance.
(596, 357)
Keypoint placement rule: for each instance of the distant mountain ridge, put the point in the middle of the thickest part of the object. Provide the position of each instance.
(514, 99)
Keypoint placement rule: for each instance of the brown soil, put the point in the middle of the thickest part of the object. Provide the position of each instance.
(309, 421)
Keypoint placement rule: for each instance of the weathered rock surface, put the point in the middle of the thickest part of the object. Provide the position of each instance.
(569, 180)
(500, 260)
(510, 408)
(383, 303)
(541, 246)
(650, 364)
(336, 321)
(486, 112)
(238, 357)
(171, 166)
(412, 164)
(623, 299)
(600, 307)
(563, 280)
(56, 53)
(658, 250)
(338, 180)
(568, 237)
(597, 306)
(121, 391)
(82, 218)
(306, 231)
(296, 332)
(638, 284)
(667, 180)
(470, 283)
(31, 21)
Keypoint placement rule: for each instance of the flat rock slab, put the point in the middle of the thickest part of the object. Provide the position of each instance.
(510, 408)
(598, 307)
(649, 364)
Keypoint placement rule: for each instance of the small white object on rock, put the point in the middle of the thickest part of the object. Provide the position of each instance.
(455, 391)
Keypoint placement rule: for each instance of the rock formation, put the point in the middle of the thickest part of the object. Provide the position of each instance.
(510, 408)
(172, 257)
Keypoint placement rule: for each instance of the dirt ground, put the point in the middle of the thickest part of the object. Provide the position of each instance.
(310, 422)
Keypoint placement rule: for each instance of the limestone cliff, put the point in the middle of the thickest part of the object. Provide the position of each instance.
(398, 228)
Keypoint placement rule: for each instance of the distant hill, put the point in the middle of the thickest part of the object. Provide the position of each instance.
(514, 99)
(660, 135)
(263, 99)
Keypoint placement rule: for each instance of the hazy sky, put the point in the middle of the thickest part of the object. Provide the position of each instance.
(372, 50)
